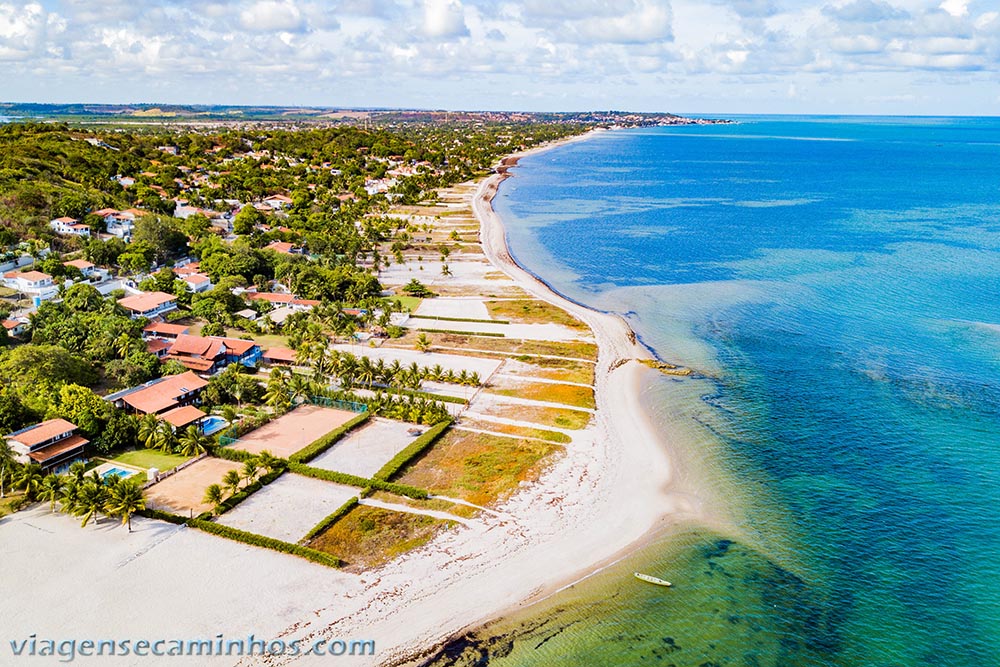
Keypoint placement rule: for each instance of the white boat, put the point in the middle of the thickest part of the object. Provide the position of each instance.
(651, 579)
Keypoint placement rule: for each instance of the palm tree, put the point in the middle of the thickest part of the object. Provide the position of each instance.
(250, 469)
(366, 371)
(192, 442)
(231, 480)
(300, 388)
(8, 463)
(423, 343)
(268, 461)
(237, 393)
(52, 490)
(29, 478)
(70, 495)
(165, 439)
(214, 497)
(77, 470)
(148, 426)
(92, 498)
(126, 499)
(230, 414)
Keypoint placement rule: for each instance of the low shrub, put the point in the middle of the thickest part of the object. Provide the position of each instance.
(150, 513)
(330, 520)
(463, 333)
(317, 447)
(360, 482)
(266, 542)
(413, 450)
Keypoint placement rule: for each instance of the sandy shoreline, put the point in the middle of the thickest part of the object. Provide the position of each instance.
(603, 496)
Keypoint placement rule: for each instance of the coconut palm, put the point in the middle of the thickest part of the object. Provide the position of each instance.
(52, 490)
(231, 480)
(214, 497)
(125, 500)
(192, 442)
(77, 470)
(29, 478)
(148, 426)
(250, 469)
(8, 463)
(230, 414)
(70, 494)
(164, 440)
(268, 461)
(91, 500)
(300, 388)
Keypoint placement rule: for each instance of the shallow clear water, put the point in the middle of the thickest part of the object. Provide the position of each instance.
(835, 283)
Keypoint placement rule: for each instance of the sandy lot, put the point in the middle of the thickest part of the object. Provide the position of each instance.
(365, 450)
(454, 307)
(554, 332)
(454, 362)
(183, 491)
(288, 507)
(291, 432)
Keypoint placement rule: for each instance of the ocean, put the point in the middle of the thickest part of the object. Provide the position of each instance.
(833, 282)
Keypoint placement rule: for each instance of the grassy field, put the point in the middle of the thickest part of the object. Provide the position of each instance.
(368, 537)
(533, 311)
(519, 431)
(564, 394)
(10, 498)
(476, 467)
(149, 458)
(566, 370)
(266, 341)
(567, 418)
(410, 302)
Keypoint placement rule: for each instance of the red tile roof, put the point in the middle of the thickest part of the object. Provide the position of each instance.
(182, 416)
(42, 432)
(140, 303)
(81, 264)
(57, 448)
(165, 329)
(280, 354)
(280, 246)
(33, 276)
(163, 395)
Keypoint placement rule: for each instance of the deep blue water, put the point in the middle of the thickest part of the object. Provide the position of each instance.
(837, 281)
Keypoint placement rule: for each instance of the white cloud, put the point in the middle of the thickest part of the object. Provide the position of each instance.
(956, 7)
(272, 16)
(444, 19)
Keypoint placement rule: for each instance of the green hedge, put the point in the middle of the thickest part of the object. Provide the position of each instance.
(150, 513)
(330, 520)
(463, 333)
(231, 454)
(413, 450)
(266, 542)
(426, 394)
(360, 482)
(317, 447)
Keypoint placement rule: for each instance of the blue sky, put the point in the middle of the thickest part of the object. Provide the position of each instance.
(707, 56)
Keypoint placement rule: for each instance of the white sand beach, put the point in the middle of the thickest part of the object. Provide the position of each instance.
(600, 497)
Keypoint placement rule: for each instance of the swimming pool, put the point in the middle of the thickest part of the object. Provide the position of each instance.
(116, 472)
(213, 424)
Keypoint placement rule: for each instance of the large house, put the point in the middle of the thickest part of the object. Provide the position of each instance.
(278, 201)
(211, 354)
(164, 331)
(70, 226)
(161, 395)
(28, 281)
(149, 304)
(53, 444)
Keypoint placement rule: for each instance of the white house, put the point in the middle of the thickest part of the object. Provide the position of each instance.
(29, 281)
(70, 226)
(197, 282)
(86, 268)
(148, 304)
(15, 327)
(278, 201)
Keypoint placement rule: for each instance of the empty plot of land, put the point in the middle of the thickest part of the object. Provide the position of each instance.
(449, 362)
(291, 432)
(365, 450)
(453, 307)
(182, 492)
(288, 507)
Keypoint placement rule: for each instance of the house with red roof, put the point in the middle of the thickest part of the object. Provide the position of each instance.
(148, 304)
(52, 444)
(70, 227)
(160, 395)
(211, 354)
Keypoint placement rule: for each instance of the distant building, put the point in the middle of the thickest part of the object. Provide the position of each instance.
(279, 356)
(283, 248)
(278, 201)
(29, 281)
(161, 395)
(149, 304)
(52, 444)
(70, 227)
(197, 282)
(210, 354)
(15, 327)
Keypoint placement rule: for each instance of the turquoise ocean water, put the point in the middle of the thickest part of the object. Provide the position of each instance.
(835, 283)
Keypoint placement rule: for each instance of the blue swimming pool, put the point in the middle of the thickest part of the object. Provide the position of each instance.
(213, 424)
(116, 472)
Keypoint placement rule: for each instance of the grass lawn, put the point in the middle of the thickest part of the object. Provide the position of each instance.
(266, 341)
(533, 311)
(566, 370)
(520, 431)
(9, 498)
(368, 537)
(478, 468)
(150, 458)
(410, 302)
(565, 394)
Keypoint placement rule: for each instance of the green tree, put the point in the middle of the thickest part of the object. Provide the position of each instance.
(8, 464)
(119, 434)
(248, 218)
(81, 406)
(423, 343)
(52, 490)
(214, 497)
(91, 500)
(125, 500)
(192, 442)
(250, 469)
(148, 426)
(231, 480)
(164, 440)
(162, 234)
(29, 478)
